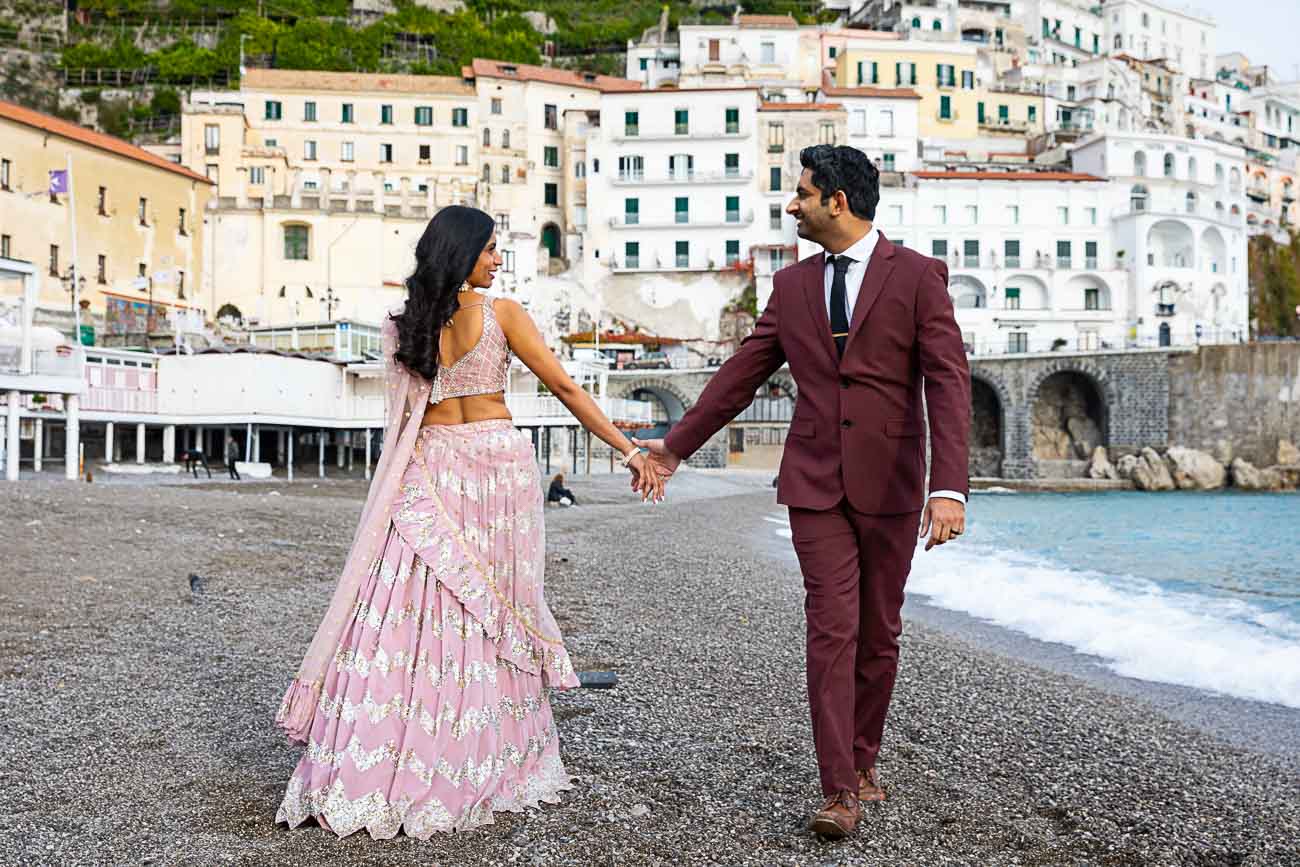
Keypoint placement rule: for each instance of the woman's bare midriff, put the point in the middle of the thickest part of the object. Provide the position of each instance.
(464, 410)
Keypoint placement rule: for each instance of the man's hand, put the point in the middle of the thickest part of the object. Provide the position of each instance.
(665, 462)
(942, 519)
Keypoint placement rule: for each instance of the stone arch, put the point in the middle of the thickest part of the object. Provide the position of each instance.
(990, 403)
(1214, 250)
(672, 400)
(1078, 294)
(1033, 293)
(968, 291)
(1171, 244)
(1069, 409)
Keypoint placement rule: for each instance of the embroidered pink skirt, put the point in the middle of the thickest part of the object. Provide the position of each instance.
(433, 714)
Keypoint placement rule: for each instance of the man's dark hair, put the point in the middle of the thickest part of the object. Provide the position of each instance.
(848, 169)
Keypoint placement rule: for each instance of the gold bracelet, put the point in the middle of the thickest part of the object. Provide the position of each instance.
(626, 458)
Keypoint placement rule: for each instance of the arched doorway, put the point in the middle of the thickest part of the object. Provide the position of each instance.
(551, 239)
(667, 408)
(1166, 334)
(985, 430)
(1068, 422)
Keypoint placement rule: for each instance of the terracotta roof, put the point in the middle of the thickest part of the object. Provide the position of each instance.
(307, 79)
(861, 34)
(67, 129)
(800, 106)
(1006, 176)
(878, 92)
(629, 337)
(768, 22)
(482, 68)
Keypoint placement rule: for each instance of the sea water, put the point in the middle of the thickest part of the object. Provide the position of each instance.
(1191, 588)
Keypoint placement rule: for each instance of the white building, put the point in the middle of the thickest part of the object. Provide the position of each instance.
(882, 123)
(1063, 33)
(762, 51)
(1183, 38)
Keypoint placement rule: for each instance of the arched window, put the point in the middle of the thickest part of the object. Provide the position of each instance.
(1218, 210)
(505, 138)
(1234, 180)
(505, 174)
(916, 22)
(487, 172)
(1140, 164)
(1119, 42)
(1191, 168)
(1191, 203)
(937, 25)
(1169, 166)
(1137, 198)
(487, 137)
(1218, 174)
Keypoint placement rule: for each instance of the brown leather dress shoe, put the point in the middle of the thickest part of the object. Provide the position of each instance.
(838, 816)
(869, 786)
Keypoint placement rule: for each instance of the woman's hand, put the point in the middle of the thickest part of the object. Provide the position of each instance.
(645, 477)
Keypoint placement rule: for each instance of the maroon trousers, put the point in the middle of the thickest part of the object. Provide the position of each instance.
(854, 568)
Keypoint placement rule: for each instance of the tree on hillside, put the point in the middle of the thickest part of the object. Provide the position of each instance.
(1275, 285)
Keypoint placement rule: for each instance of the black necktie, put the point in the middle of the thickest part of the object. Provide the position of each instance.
(839, 302)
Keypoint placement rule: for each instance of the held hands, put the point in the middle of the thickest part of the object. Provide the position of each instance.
(943, 519)
(646, 477)
(665, 461)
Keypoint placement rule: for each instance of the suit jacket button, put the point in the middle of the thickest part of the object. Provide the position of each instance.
(844, 382)
(846, 423)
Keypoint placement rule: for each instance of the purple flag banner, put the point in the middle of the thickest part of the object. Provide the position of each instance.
(58, 181)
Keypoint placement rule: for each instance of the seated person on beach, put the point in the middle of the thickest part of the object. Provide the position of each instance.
(558, 493)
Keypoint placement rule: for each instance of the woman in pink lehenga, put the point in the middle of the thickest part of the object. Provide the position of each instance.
(422, 698)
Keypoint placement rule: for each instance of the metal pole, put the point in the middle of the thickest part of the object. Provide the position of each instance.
(321, 461)
(368, 436)
(291, 436)
(72, 436)
(248, 441)
(76, 268)
(588, 452)
(11, 437)
(573, 441)
(38, 445)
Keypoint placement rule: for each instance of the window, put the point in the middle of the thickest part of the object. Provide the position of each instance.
(309, 111)
(102, 202)
(682, 209)
(826, 133)
(767, 52)
(775, 137)
(858, 122)
(551, 195)
(945, 108)
(916, 22)
(733, 121)
(887, 161)
(495, 105)
(424, 115)
(257, 175)
(1140, 164)
(1063, 215)
(505, 138)
(101, 269)
(774, 216)
(1004, 115)
(944, 75)
(487, 137)
(885, 122)
(425, 153)
(972, 214)
(462, 154)
(632, 255)
(967, 79)
(733, 252)
(1091, 215)
(631, 168)
(631, 211)
(731, 165)
(180, 222)
(386, 114)
(274, 110)
(979, 113)
(142, 211)
(1011, 254)
(681, 121)
(579, 168)
(971, 253)
(1137, 198)
(5, 243)
(831, 52)
(551, 156)
(180, 284)
(346, 113)
(385, 153)
(550, 117)
(5, 167)
(508, 261)
(1070, 93)
(211, 138)
(1013, 214)
(505, 174)
(54, 260)
(1018, 341)
(1011, 298)
(1169, 165)
(272, 143)
(904, 73)
(941, 214)
(683, 250)
(939, 248)
(645, 63)
(1092, 298)
(487, 173)
(631, 123)
(733, 209)
(296, 239)
(714, 50)
(776, 259)
(936, 25)
(309, 149)
(1063, 258)
(460, 117)
(1090, 254)
(774, 179)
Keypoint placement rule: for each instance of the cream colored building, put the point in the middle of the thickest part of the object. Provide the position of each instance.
(137, 228)
(943, 74)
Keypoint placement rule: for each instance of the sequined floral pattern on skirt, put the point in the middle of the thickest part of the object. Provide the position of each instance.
(433, 713)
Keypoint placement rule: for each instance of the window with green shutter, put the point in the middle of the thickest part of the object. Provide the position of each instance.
(632, 211)
(683, 254)
(347, 112)
(385, 114)
(1033, 113)
(939, 248)
(1004, 114)
(681, 121)
(682, 208)
(733, 209)
(1011, 298)
(979, 112)
(551, 156)
(888, 162)
(774, 179)
(861, 64)
(296, 241)
(1063, 254)
(551, 194)
(731, 162)
(875, 72)
(631, 123)
(733, 121)
(733, 252)
(945, 108)
(460, 117)
(1011, 254)
(424, 115)
(632, 254)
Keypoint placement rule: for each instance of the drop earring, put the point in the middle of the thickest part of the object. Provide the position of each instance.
(465, 287)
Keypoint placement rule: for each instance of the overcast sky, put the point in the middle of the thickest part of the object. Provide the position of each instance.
(1263, 30)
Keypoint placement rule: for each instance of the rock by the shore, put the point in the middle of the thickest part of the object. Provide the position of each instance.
(1288, 455)
(1248, 477)
(1195, 470)
(1101, 467)
(1150, 473)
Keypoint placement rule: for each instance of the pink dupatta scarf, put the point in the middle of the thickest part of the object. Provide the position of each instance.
(404, 393)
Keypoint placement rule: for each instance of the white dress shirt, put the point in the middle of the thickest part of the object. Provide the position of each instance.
(860, 252)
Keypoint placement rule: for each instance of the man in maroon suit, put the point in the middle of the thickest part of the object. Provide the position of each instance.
(864, 326)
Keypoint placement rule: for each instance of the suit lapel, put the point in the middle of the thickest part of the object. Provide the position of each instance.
(873, 283)
(814, 286)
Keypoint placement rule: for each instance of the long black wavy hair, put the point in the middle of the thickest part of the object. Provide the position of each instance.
(444, 259)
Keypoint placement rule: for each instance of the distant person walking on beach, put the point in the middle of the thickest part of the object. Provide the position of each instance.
(558, 493)
(866, 326)
(232, 455)
(423, 697)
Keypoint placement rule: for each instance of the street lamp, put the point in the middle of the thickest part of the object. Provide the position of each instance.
(74, 286)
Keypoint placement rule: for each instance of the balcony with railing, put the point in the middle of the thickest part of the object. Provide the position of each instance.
(1004, 124)
(682, 220)
(1257, 192)
(727, 176)
(681, 131)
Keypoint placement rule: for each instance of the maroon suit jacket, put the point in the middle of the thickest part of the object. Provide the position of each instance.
(858, 426)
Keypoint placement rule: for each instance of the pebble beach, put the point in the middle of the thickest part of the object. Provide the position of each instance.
(138, 705)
